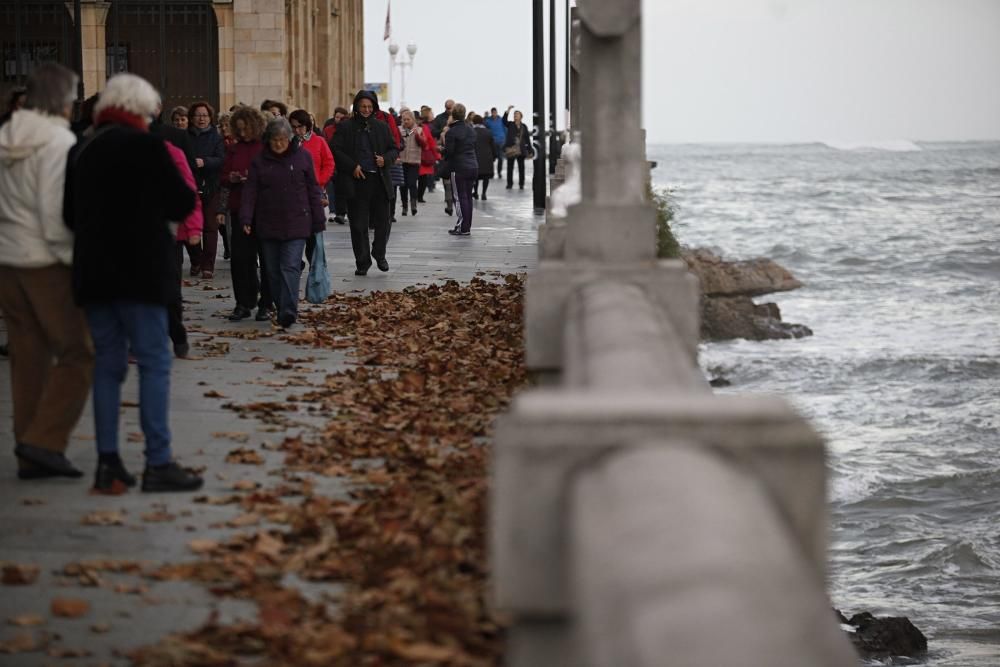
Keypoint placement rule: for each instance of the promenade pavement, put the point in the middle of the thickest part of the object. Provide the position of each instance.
(51, 523)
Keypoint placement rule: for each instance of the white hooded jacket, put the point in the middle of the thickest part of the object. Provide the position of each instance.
(33, 151)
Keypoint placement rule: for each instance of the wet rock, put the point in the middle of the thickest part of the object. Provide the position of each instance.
(879, 638)
(725, 318)
(752, 277)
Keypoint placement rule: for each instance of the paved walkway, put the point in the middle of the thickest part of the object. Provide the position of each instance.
(43, 522)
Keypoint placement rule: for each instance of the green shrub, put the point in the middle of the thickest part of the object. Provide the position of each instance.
(667, 246)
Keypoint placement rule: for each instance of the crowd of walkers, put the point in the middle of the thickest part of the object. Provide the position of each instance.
(91, 265)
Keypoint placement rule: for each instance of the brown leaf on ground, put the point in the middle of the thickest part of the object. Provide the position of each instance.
(22, 642)
(203, 546)
(236, 436)
(69, 607)
(104, 518)
(100, 628)
(158, 516)
(26, 620)
(66, 652)
(19, 574)
(245, 455)
(214, 394)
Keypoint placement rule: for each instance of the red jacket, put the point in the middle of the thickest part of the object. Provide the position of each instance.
(393, 128)
(322, 158)
(195, 222)
(239, 157)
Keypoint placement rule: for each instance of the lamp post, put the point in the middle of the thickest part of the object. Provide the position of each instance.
(411, 49)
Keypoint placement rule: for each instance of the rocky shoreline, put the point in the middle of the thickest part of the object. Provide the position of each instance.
(728, 289)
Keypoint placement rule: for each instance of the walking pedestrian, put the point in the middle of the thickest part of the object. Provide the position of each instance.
(51, 355)
(460, 152)
(188, 233)
(364, 149)
(209, 151)
(249, 290)
(413, 145)
(275, 108)
(429, 156)
(122, 274)
(302, 125)
(516, 147)
(179, 118)
(442, 120)
(338, 207)
(486, 154)
(498, 129)
(281, 201)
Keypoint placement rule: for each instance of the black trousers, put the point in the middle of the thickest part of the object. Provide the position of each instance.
(369, 204)
(423, 185)
(175, 309)
(248, 288)
(520, 170)
(485, 180)
(408, 191)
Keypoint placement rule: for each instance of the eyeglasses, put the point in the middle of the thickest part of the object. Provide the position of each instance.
(201, 115)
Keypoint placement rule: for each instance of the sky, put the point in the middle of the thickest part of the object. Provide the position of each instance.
(731, 70)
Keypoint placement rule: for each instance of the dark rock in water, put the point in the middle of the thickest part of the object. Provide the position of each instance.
(728, 310)
(725, 318)
(752, 277)
(878, 638)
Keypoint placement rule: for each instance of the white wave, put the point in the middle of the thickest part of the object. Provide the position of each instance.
(893, 145)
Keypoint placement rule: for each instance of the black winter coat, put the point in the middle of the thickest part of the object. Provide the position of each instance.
(210, 147)
(345, 153)
(512, 132)
(460, 149)
(122, 188)
(486, 151)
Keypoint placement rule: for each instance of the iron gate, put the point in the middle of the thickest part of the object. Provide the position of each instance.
(173, 44)
(32, 32)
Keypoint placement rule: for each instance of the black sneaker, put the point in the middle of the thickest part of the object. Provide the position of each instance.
(361, 272)
(226, 255)
(169, 477)
(285, 321)
(448, 210)
(339, 219)
(182, 350)
(239, 313)
(404, 213)
(414, 209)
(55, 464)
(459, 232)
(382, 265)
(263, 314)
(112, 478)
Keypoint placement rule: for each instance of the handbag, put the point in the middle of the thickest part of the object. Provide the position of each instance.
(318, 281)
(512, 151)
(443, 169)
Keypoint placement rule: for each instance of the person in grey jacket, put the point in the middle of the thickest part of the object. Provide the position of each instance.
(460, 152)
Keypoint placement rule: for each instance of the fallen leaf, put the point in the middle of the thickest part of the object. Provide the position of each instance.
(244, 455)
(22, 642)
(27, 620)
(69, 607)
(104, 518)
(18, 574)
(203, 546)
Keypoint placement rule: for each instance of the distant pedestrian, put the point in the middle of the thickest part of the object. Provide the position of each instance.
(209, 151)
(249, 290)
(516, 147)
(460, 152)
(302, 125)
(411, 156)
(122, 274)
(442, 120)
(275, 108)
(498, 128)
(486, 154)
(364, 148)
(179, 117)
(281, 202)
(430, 156)
(224, 129)
(51, 355)
(188, 233)
(337, 206)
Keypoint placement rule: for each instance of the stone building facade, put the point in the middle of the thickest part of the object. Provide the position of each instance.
(306, 53)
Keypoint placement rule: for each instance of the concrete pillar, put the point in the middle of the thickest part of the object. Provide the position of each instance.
(613, 221)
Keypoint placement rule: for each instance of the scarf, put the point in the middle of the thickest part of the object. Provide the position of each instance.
(121, 117)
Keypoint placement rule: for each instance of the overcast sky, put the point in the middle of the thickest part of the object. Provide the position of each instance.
(734, 70)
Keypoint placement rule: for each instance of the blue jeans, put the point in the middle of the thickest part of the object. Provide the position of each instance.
(284, 271)
(117, 328)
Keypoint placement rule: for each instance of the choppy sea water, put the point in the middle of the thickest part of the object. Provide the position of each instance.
(899, 248)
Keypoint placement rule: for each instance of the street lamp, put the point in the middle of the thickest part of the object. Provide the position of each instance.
(393, 50)
(411, 49)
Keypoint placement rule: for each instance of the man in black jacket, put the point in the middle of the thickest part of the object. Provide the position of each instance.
(363, 150)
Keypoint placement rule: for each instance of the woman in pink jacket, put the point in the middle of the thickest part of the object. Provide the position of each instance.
(188, 233)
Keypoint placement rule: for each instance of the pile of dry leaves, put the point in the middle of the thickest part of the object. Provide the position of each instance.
(407, 426)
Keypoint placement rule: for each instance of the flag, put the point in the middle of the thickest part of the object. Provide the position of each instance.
(388, 23)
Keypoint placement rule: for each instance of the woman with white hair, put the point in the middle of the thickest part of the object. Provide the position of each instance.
(122, 192)
(51, 356)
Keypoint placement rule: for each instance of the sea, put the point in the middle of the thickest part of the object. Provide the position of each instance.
(898, 245)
